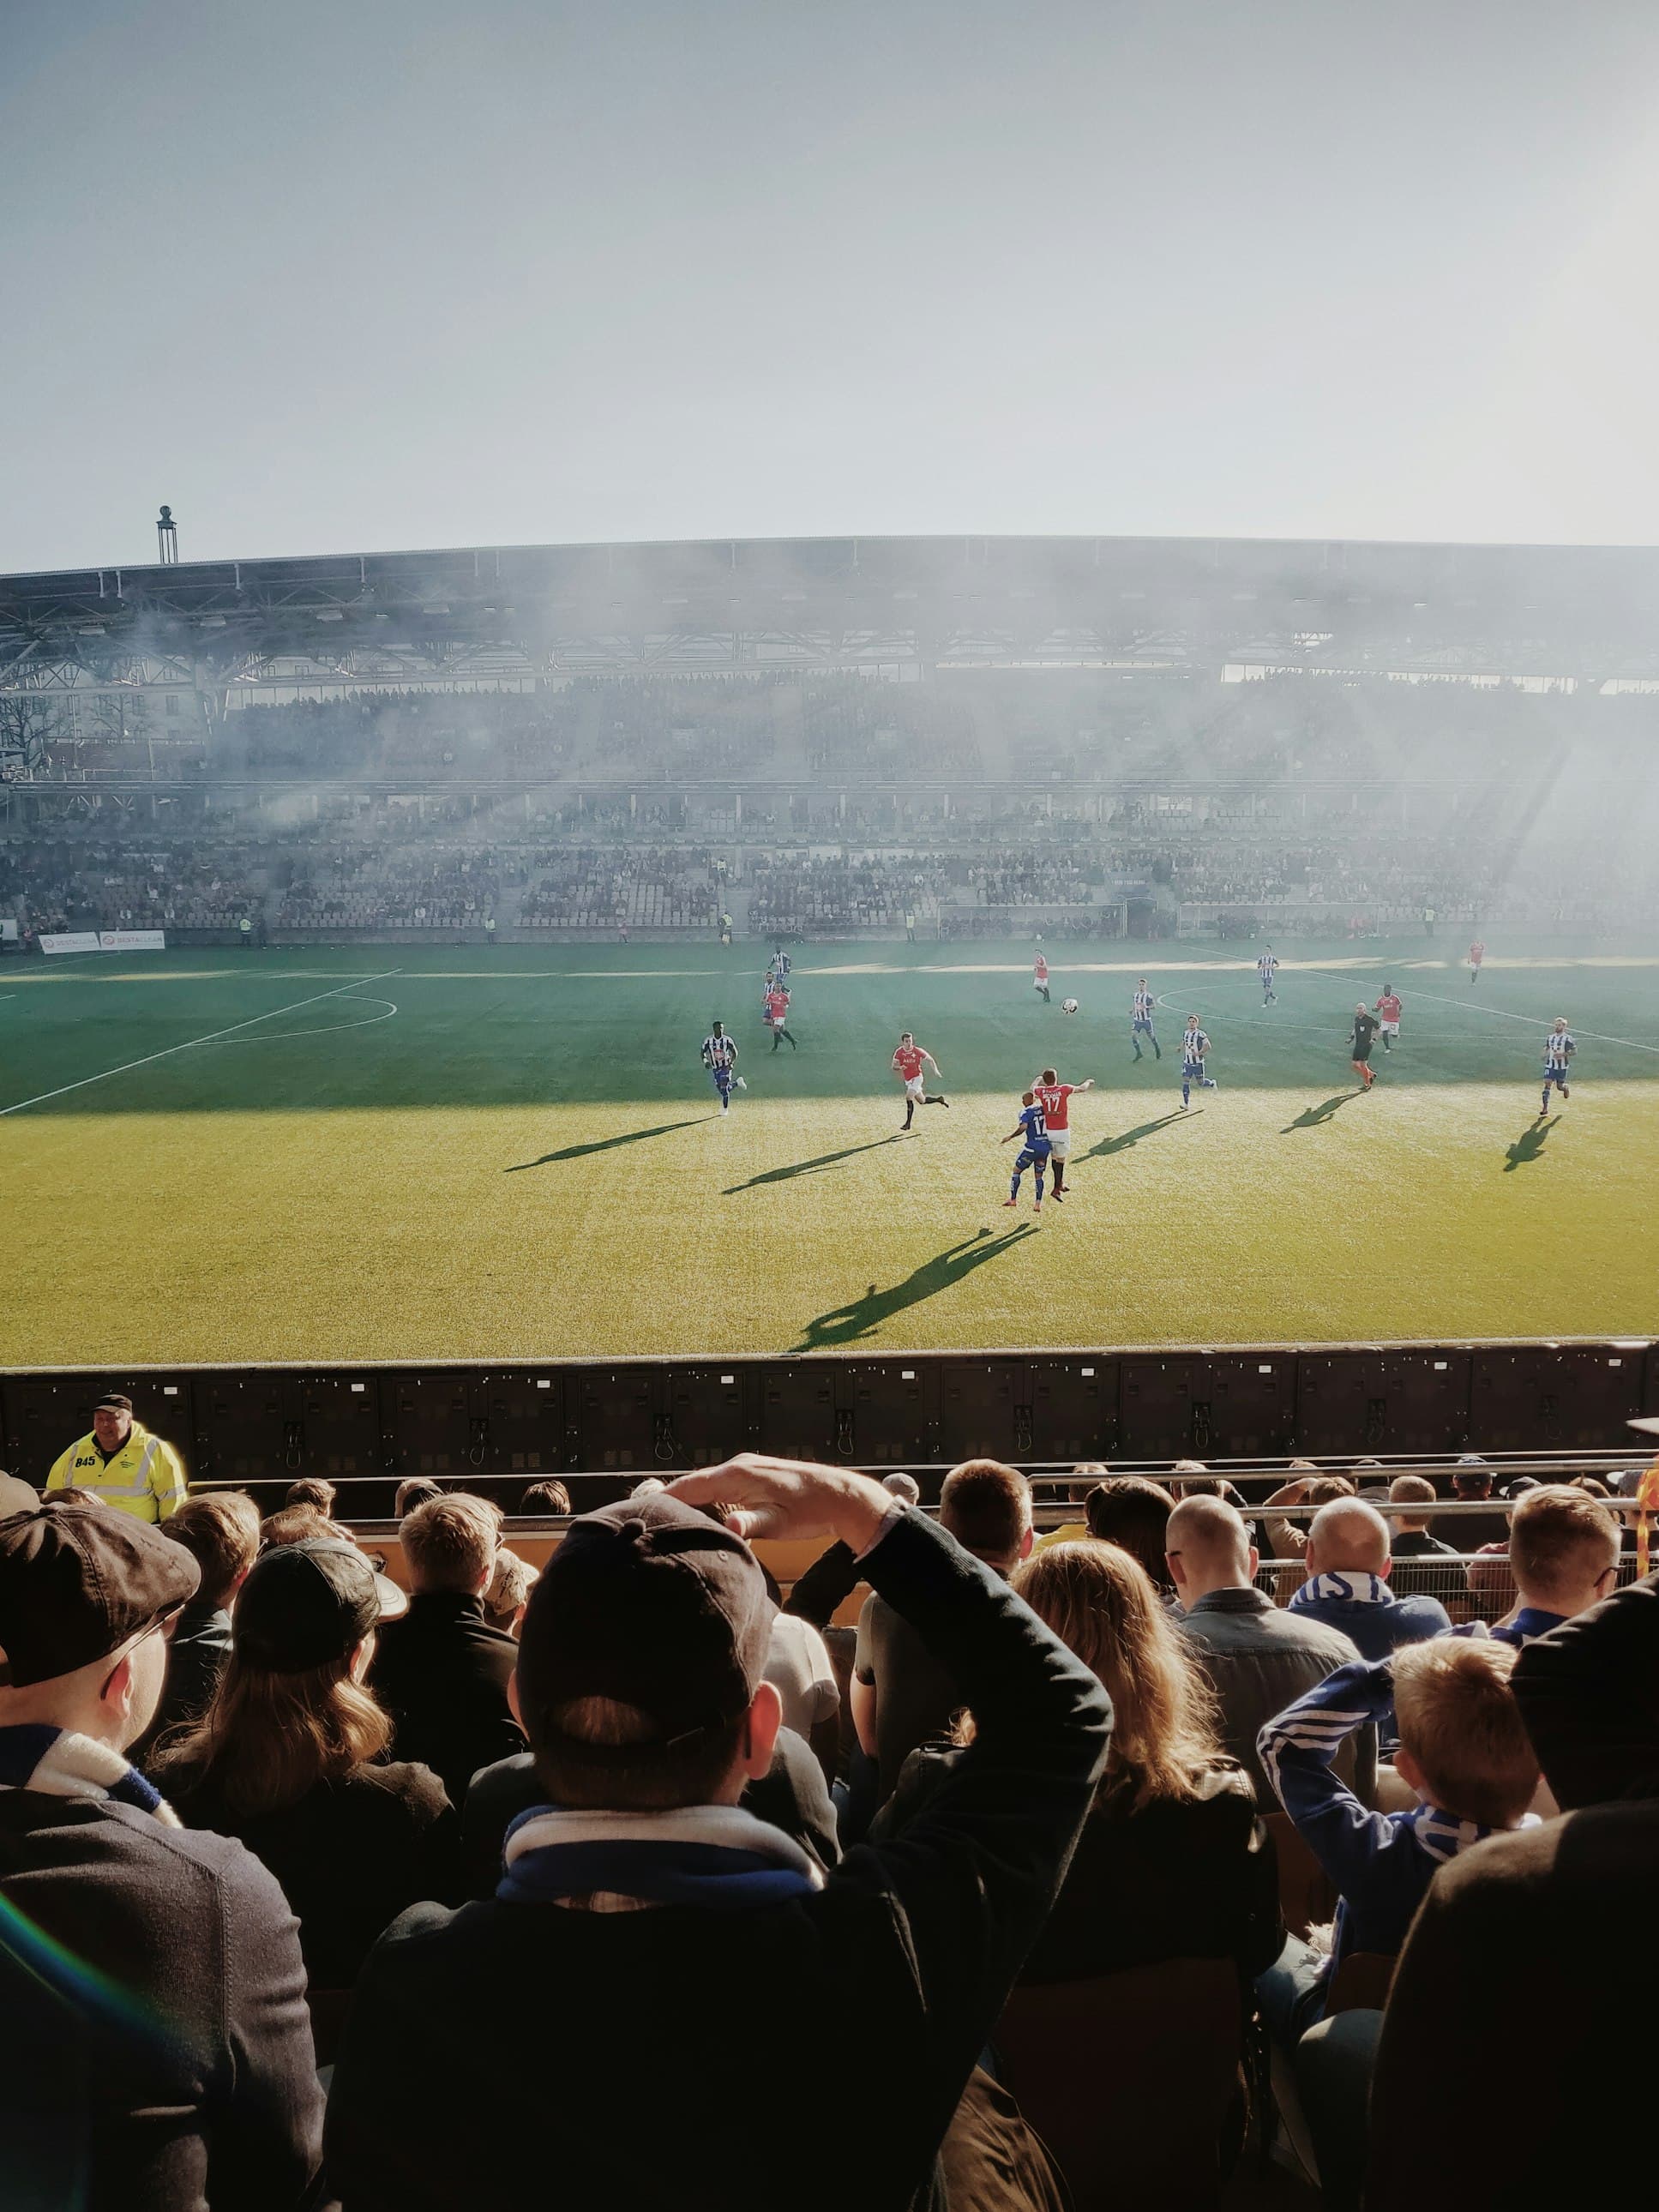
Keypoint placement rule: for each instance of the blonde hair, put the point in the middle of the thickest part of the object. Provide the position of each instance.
(1558, 1533)
(450, 1542)
(1458, 1718)
(295, 1524)
(220, 1529)
(1101, 1603)
(267, 1739)
(509, 1586)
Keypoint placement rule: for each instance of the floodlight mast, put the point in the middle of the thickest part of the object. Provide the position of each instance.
(166, 537)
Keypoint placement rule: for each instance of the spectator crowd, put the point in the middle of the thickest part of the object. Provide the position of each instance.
(544, 1870)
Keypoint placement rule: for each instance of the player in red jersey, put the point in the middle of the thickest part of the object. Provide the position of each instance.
(1477, 954)
(1039, 977)
(1388, 1012)
(908, 1061)
(777, 1014)
(1055, 1098)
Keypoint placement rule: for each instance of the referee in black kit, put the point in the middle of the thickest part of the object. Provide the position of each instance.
(1365, 1027)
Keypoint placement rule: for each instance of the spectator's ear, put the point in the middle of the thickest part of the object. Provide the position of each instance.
(1026, 1542)
(1387, 1567)
(1255, 1562)
(765, 1719)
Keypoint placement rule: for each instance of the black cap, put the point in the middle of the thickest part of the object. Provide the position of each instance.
(305, 1605)
(112, 1398)
(77, 1581)
(650, 1603)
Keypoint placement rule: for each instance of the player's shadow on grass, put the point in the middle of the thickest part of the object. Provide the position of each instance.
(1122, 1143)
(860, 1317)
(806, 1167)
(1529, 1145)
(1312, 1117)
(606, 1144)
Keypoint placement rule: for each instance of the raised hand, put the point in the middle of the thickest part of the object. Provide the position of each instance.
(791, 1497)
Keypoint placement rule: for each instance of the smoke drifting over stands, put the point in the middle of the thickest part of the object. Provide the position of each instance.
(981, 736)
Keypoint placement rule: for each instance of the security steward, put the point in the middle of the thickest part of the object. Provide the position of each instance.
(123, 1464)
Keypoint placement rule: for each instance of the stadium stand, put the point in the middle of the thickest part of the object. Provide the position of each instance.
(1158, 1969)
(1171, 804)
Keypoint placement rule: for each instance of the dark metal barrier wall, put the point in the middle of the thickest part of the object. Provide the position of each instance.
(361, 1425)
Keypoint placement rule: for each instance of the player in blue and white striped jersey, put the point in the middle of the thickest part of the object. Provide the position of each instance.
(1194, 1046)
(1560, 1046)
(1143, 1022)
(719, 1057)
(1267, 967)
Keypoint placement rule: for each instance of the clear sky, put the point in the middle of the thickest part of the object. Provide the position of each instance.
(334, 274)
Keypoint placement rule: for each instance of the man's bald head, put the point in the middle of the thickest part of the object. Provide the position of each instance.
(1209, 1548)
(1348, 1534)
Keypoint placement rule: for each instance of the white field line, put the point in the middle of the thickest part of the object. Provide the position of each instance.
(212, 1037)
(332, 1029)
(1539, 1022)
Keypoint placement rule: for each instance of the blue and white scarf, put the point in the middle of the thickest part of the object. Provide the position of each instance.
(60, 1764)
(716, 1856)
(1349, 1582)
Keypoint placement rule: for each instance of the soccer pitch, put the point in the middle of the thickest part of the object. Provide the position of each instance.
(373, 1153)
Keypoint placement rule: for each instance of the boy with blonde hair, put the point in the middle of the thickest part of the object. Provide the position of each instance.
(1563, 1556)
(1464, 1751)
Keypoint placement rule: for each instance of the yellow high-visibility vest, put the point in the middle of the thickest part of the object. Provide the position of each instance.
(146, 1477)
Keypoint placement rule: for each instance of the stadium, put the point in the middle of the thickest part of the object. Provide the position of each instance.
(483, 812)
(831, 1358)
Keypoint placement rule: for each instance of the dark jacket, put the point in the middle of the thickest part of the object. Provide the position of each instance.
(196, 1653)
(793, 1796)
(1589, 1692)
(1548, 1926)
(157, 2028)
(873, 1995)
(1189, 1878)
(196, 1659)
(350, 1854)
(441, 1671)
(916, 1693)
(819, 1594)
(1418, 1570)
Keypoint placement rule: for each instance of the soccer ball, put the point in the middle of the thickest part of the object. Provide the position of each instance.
(1068, 1005)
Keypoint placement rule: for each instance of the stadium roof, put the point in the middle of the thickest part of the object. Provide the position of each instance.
(489, 613)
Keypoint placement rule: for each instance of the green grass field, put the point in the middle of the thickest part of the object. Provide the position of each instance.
(353, 1153)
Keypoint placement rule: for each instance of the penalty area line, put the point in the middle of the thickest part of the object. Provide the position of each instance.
(212, 1037)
